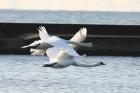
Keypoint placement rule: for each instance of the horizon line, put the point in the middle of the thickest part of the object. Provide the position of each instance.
(68, 10)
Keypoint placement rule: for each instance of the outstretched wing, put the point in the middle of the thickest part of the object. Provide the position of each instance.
(37, 52)
(32, 44)
(80, 36)
(43, 33)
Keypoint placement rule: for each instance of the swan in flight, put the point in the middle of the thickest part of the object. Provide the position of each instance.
(39, 47)
(64, 55)
(61, 52)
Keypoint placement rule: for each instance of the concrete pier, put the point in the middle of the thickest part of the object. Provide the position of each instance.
(109, 39)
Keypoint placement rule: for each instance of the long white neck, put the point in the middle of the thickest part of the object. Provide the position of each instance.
(89, 65)
(79, 44)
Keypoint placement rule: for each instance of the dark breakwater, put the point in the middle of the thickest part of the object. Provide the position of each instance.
(109, 39)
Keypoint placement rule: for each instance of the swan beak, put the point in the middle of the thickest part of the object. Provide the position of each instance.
(102, 63)
(49, 65)
(45, 65)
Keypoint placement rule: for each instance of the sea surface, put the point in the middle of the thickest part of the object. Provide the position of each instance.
(25, 74)
(70, 17)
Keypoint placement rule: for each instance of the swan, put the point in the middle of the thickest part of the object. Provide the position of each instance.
(39, 47)
(63, 55)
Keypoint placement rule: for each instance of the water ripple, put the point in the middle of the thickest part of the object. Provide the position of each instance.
(24, 74)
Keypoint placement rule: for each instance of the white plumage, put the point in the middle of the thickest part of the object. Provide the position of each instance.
(42, 44)
(61, 52)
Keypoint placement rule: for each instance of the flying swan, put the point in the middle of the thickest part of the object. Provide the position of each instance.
(61, 52)
(39, 47)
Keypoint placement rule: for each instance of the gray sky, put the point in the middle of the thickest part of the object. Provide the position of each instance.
(93, 5)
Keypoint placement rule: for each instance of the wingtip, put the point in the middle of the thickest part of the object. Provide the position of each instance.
(84, 31)
(43, 32)
(84, 28)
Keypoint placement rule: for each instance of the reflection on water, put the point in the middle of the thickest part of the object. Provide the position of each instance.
(24, 74)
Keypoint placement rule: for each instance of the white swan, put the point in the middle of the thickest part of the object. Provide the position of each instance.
(41, 45)
(61, 52)
(64, 55)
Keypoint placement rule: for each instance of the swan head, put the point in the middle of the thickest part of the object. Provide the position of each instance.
(101, 63)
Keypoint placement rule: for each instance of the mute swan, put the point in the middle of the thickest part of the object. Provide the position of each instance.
(64, 55)
(40, 46)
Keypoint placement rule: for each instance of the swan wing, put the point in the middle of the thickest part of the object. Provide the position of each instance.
(52, 54)
(60, 50)
(43, 34)
(80, 36)
(37, 52)
(58, 54)
(61, 45)
(57, 41)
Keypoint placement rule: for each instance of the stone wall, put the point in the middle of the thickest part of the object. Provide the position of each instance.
(109, 39)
